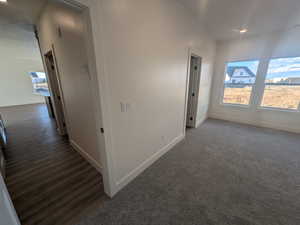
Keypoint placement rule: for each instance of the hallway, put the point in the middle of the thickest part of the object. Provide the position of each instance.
(49, 182)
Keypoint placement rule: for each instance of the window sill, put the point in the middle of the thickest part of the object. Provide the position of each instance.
(235, 105)
(266, 108)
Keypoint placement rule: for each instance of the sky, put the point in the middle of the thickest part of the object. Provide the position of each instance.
(284, 67)
(281, 67)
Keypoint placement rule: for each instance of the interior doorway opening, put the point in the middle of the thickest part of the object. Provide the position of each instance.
(60, 134)
(193, 90)
(56, 92)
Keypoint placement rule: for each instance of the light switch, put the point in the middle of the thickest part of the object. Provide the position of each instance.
(123, 107)
(128, 106)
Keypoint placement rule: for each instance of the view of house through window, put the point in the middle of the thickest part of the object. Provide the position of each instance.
(282, 84)
(39, 83)
(239, 81)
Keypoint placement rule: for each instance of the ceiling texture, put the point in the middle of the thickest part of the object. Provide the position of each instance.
(22, 13)
(223, 18)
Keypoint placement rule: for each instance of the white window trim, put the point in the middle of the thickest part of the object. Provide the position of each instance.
(245, 106)
(270, 108)
(258, 88)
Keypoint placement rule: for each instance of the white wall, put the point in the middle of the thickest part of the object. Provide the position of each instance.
(205, 82)
(277, 44)
(145, 58)
(8, 213)
(19, 55)
(72, 63)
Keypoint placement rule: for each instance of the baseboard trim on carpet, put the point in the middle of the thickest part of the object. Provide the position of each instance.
(263, 124)
(85, 155)
(148, 162)
(199, 122)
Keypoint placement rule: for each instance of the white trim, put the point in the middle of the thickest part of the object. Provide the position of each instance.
(85, 155)
(235, 105)
(186, 90)
(196, 53)
(197, 90)
(199, 122)
(107, 151)
(60, 89)
(221, 100)
(58, 105)
(148, 162)
(265, 124)
(103, 117)
(270, 108)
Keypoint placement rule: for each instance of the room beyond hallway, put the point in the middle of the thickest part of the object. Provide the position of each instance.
(49, 182)
(223, 173)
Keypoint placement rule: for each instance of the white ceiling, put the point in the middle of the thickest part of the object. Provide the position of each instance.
(23, 13)
(222, 17)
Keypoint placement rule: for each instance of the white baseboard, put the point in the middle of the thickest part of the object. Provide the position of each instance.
(265, 124)
(137, 171)
(199, 122)
(85, 155)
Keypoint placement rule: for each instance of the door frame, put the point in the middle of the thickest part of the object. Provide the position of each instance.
(60, 117)
(192, 53)
(95, 48)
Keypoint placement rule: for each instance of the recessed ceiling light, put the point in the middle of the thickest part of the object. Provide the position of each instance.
(243, 31)
(3, 1)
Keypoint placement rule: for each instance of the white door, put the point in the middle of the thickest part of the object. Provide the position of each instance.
(193, 92)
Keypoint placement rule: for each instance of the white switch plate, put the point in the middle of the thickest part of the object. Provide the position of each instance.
(123, 107)
(128, 106)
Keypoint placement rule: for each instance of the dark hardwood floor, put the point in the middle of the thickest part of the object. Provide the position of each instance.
(49, 182)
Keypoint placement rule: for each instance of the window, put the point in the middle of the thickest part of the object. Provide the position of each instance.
(39, 82)
(282, 84)
(239, 80)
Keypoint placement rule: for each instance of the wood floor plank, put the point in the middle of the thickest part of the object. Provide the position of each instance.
(49, 182)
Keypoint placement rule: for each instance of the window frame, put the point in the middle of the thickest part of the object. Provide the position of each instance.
(270, 108)
(34, 90)
(236, 105)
